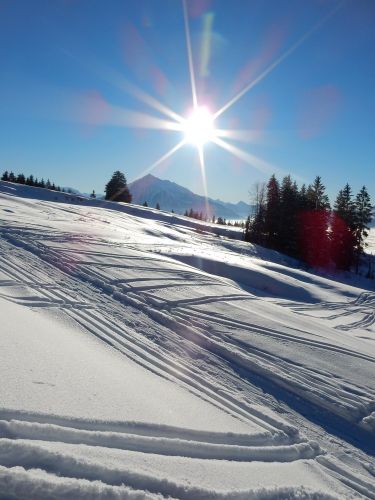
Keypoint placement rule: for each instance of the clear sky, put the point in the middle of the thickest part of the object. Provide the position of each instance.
(76, 75)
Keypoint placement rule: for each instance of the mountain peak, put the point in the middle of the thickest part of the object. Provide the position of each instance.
(172, 196)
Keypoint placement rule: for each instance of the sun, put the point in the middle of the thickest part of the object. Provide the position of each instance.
(199, 127)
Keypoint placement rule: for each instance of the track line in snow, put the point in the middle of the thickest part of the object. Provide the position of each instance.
(160, 445)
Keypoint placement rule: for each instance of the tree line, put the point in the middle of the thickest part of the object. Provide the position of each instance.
(29, 181)
(194, 214)
(300, 222)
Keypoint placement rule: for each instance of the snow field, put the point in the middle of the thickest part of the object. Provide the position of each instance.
(143, 359)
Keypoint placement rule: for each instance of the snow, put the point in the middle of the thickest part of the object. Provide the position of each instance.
(147, 355)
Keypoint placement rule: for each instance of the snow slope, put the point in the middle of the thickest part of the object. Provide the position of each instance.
(145, 357)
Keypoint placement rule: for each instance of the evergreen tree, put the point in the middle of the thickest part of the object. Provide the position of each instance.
(342, 229)
(5, 176)
(272, 212)
(30, 180)
(93, 195)
(48, 184)
(42, 184)
(12, 177)
(288, 228)
(21, 179)
(247, 229)
(316, 196)
(314, 223)
(145, 204)
(157, 206)
(117, 189)
(303, 202)
(363, 217)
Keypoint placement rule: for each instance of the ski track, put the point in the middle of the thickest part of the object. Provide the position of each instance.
(362, 306)
(185, 320)
(349, 401)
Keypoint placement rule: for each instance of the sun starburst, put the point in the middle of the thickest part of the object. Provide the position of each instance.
(199, 126)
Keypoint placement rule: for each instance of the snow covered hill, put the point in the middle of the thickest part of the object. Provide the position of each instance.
(143, 356)
(171, 196)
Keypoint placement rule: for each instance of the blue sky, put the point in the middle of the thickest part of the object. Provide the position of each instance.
(69, 69)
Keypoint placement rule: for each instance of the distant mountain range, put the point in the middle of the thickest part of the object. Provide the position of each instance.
(172, 196)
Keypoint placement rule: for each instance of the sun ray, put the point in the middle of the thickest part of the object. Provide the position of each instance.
(203, 175)
(278, 61)
(239, 135)
(190, 56)
(167, 155)
(135, 119)
(149, 100)
(116, 79)
(252, 160)
(93, 109)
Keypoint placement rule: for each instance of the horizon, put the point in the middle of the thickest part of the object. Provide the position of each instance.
(82, 83)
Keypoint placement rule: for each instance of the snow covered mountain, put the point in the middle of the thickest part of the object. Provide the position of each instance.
(172, 196)
(144, 357)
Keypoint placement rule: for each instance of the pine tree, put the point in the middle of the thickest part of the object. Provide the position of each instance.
(117, 189)
(342, 240)
(288, 227)
(21, 179)
(5, 176)
(272, 212)
(303, 202)
(157, 206)
(247, 229)
(314, 223)
(93, 195)
(363, 217)
(316, 196)
(12, 177)
(145, 204)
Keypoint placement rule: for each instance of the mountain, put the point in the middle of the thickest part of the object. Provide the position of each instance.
(172, 196)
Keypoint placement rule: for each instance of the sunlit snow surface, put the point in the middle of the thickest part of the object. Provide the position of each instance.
(142, 356)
